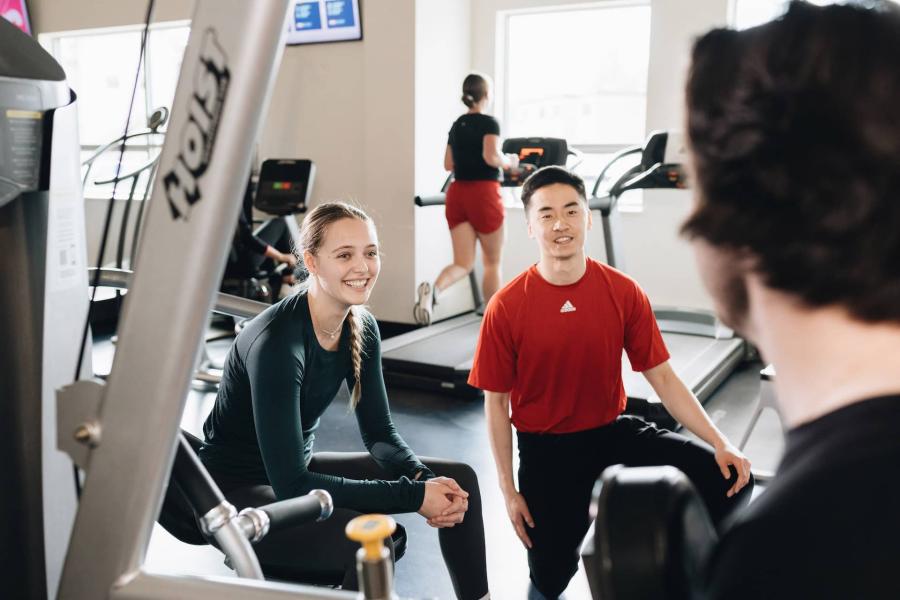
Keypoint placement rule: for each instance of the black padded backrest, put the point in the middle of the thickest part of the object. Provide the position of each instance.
(652, 535)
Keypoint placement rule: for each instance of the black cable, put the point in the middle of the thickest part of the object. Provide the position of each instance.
(109, 209)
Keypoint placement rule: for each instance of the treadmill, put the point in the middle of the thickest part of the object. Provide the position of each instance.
(439, 357)
(703, 351)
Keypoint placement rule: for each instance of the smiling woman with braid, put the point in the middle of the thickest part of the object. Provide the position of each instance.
(283, 371)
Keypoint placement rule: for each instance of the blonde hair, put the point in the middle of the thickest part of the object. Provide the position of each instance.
(312, 234)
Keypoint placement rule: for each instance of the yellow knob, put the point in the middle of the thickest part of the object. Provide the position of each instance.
(370, 531)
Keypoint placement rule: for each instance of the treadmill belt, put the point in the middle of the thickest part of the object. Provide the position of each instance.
(440, 357)
(449, 348)
(701, 362)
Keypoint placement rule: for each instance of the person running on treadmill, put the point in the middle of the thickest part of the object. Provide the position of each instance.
(550, 352)
(284, 370)
(474, 208)
(794, 132)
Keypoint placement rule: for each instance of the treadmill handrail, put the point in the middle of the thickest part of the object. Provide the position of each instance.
(436, 200)
(616, 158)
(607, 202)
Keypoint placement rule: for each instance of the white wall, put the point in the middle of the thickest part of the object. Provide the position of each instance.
(657, 257)
(348, 107)
(388, 149)
(443, 59)
(66, 15)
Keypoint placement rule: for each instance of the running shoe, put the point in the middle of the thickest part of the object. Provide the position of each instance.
(424, 305)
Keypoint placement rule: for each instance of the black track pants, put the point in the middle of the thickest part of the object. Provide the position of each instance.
(557, 474)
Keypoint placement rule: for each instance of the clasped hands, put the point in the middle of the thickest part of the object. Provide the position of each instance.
(445, 503)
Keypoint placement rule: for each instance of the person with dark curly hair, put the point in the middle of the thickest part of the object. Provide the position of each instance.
(794, 132)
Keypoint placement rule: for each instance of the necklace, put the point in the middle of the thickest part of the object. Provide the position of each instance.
(332, 334)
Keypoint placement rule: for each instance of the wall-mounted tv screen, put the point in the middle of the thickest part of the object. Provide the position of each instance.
(16, 13)
(316, 21)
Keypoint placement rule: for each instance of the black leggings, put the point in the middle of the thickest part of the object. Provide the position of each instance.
(320, 552)
(557, 474)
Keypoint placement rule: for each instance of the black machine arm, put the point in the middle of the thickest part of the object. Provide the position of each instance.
(193, 479)
(651, 538)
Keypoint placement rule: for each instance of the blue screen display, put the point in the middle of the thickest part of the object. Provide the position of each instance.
(314, 21)
(307, 16)
(340, 13)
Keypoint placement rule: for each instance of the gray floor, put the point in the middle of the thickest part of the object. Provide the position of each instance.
(442, 426)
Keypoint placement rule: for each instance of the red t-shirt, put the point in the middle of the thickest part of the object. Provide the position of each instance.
(558, 348)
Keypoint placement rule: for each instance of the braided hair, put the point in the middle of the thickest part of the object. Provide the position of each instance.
(312, 234)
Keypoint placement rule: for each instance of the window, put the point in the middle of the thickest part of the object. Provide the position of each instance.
(578, 73)
(100, 66)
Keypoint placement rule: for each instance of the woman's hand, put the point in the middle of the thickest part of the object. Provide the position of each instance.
(288, 258)
(445, 503)
(510, 161)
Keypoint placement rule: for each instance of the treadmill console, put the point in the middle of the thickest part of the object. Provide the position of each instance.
(533, 153)
(285, 186)
(662, 161)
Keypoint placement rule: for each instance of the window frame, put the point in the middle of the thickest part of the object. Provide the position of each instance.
(502, 53)
(52, 42)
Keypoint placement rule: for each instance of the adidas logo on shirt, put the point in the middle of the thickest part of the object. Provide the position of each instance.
(567, 307)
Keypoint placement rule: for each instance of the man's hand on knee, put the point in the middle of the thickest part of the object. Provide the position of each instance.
(727, 455)
(520, 516)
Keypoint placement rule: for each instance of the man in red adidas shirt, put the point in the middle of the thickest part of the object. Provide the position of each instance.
(550, 355)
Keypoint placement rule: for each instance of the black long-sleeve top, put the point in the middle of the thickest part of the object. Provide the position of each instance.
(828, 526)
(276, 384)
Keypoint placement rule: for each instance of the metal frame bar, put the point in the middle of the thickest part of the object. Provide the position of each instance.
(224, 88)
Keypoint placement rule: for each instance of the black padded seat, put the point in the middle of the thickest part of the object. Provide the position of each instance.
(651, 538)
(179, 519)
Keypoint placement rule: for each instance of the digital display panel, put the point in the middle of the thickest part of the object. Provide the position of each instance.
(316, 21)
